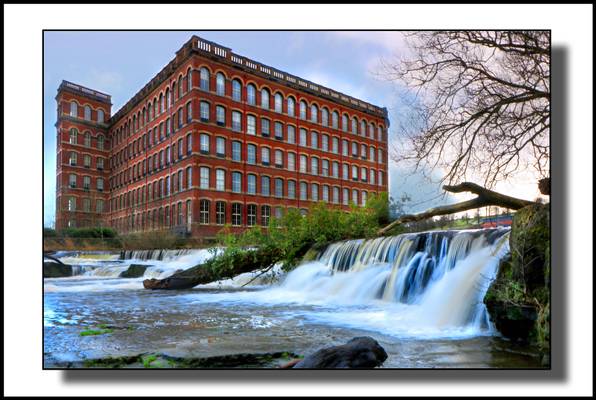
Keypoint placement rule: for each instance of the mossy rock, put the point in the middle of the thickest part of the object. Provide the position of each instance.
(55, 270)
(134, 271)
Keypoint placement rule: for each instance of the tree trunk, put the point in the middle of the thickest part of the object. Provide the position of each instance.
(485, 198)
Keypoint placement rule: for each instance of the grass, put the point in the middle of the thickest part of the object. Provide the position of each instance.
(95, 332)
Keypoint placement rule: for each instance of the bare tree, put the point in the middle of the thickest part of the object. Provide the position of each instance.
(478, 103)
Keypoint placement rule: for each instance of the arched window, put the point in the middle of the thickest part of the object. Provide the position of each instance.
(303, 109)
(278, 102)
(189, 80)
(251, 214)
(87, 139)
(265, 215)
(168, 103)
(291, 106)
(251, 94)
(355, 126)
(220, 84)
(265, 98)
(204, 212)
(73, 136)
(161, 104)
(100, 142)
(335, 119)
(220, 213)
(236, 90)
(344, 122)
(87, 113)
(363, 128)
(180, 87)
(188, 214)
(74, 109)
(314, 113)
(204, 79)
(188, 177)
(73, 158)
(325, 117)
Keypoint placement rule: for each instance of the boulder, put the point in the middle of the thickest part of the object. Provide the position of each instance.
(55, 270)
(360, 352)
(134, 271)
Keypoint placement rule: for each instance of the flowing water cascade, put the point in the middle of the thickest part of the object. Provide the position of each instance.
(433, 280)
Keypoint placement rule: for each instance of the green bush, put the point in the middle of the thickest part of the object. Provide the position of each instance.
(97, 232)
(49, 232)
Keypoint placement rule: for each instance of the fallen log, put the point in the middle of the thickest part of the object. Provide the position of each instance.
(214, 269)
(485, 197)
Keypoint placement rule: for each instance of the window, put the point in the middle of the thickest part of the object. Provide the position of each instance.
(189, 177)
(220, 84)
(291, 161)
(314, 166)
(101, 142)
(100, 116)
(314, 113)
(314, 140)
(278, 102)
(72, 180)
(371, 154)
(303, 161)
(236, 214)
(86, 182)
(86, 161)
(314, 192)
(355, 196)
(335, 195)
(380, 133)
(251, 214)
(324, 142)
(291, 189)
(236, 121)
(335, 119)
(279, 131)
(363, 198)
(73, 135)
(251, 125)
(204, 142)
(380, 157)
(251, 94)
(355, 126)
(87, 139)
(291, 106)
(220, 213)
(344, 123)
(335, 145)
(180, 181)
(291, 134)
(74, 109)
(344, 148)
(303, 190)
(265, 155)
(204, 212)
(325, 117)
(189, 80)
(354, 172)
(279, 187)
(345, 196)
(204, 111)
(335, 169)
(265, 127)
(236, 151)
(325, 193)
(99, 206)
(302, 137)
(372, 176)
(180, 148)
(344, 172)
(72, 203)
(251, 184)
(236, 182)
(204, 79)
(363, 173)
(220, 115)
(325, 167)
(354, 149)
(265, 98)
(278, 212)
(168, 103)
(204, 184)
(363, 128)
(189, 144)
(279, 158)
(363, 151)
(265, 215)
(380, 178)
(220, 146)
(251, 156)
(72, 159)
(236, 90)
(265, 185)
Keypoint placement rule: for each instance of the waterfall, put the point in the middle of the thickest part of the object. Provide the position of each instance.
(434, 279)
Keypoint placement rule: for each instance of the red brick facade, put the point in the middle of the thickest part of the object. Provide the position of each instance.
(213, 140)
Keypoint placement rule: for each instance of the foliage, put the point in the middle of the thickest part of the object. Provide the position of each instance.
(49, 232)
(96, 232)
(292, 235)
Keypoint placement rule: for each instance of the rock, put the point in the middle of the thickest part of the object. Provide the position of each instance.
(360, 352)
(514, 321)
(171, 283)
(55, 270)
(290, 364)
(134, 271)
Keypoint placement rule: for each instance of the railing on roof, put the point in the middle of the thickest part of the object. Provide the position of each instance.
(86, 90)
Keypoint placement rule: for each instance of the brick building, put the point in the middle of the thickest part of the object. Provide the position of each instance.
(215, 138)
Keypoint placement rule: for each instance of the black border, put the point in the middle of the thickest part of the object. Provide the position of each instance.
(561, 145)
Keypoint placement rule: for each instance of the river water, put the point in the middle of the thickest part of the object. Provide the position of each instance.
(419, 295)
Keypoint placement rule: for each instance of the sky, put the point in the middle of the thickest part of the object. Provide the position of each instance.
(121, 63)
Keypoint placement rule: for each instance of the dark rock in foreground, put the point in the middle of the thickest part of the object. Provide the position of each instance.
(360, 352)
(56, 270)
(134, 271)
